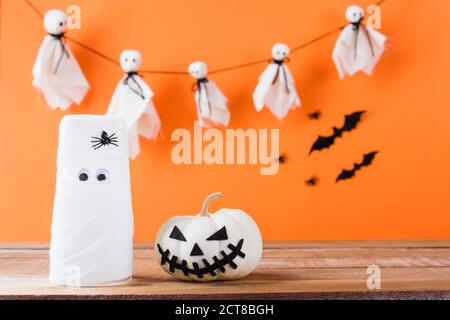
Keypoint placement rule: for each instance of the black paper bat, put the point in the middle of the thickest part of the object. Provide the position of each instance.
(312, 181)
(281, 159)
(348, 174)
(315, 115)
(351, 121)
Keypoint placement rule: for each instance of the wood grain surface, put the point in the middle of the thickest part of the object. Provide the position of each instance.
(288, 270)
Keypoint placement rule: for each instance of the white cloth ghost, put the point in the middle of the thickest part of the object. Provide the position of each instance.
(211, 102)
(132, 101)
(56, 72)
(92, 225)
(359, 47)
(276, 88)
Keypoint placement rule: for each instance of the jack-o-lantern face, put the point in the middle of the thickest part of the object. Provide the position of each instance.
(224, 245)
(217, 262)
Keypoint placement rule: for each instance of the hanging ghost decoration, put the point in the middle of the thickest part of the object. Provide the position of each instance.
(359, 47)
(56, 72)
(276, 88)
(132, 101)
(92, 224)
(211, 103)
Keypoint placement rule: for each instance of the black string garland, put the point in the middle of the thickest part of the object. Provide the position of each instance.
(230, 68)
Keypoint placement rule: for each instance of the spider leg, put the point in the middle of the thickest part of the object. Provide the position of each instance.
(94, 141)
(111, 135)
(97, 142)
(99, 146)
(114, 144)
(113, 140)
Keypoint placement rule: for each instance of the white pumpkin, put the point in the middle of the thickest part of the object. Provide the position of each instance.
(225, 245)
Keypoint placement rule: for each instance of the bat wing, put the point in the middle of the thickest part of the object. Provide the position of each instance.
(345, 174)
(368, 159)
(322, 143)
(352, 120)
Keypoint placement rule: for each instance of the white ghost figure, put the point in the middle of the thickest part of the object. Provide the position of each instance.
(276, 88)
(359, 47)
(56, 72)
(211, 102)
(92, 226)
(132, 101)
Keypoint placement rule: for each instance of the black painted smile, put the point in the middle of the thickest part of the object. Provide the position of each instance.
(227, 259)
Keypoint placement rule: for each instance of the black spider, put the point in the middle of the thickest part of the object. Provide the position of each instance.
(104, 140)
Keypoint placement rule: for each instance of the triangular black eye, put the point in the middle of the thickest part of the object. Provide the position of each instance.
(176, 234)
(219, 235)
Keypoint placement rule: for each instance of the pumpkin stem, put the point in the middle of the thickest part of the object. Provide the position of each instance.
(215, 195)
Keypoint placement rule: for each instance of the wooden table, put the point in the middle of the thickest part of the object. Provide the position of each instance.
(288, 270)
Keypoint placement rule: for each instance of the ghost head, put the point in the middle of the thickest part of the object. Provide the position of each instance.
(280, 51)
(55, 21)
(198, 70)
(130, 60)
(354, 13)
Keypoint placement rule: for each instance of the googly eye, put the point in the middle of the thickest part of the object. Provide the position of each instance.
(61, 24)
(83, 175)
(126, 59)
(134, 60)
(102, 175)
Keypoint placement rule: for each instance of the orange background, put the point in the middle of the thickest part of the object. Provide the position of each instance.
(404, 195)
